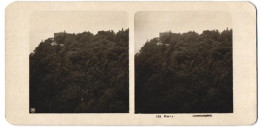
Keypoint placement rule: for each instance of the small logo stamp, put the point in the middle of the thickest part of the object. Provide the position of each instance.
(32, 110)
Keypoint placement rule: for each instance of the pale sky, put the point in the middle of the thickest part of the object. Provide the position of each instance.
(148, 24)
(44, 23)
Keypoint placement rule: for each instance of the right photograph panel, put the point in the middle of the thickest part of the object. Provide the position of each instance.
(183, 62)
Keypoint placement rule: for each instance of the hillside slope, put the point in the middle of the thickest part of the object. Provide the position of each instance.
(185, 73)
(80, 73)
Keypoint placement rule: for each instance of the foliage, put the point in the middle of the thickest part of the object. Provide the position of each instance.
(186, 73)
(81, 73)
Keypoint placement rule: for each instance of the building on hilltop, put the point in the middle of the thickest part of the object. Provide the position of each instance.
(165, 38)
(167, 33)
(59, 34)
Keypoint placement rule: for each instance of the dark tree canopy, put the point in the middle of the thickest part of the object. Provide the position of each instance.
(81, 73)
(185, 73)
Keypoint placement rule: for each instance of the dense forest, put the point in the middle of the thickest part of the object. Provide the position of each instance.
(81, 73)
(185, 73)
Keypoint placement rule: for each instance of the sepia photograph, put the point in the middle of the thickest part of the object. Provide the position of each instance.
(79, 62)
(130, 63)
(183, 62)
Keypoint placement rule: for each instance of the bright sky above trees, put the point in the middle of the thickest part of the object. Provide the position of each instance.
(149, 24)
(44, 24)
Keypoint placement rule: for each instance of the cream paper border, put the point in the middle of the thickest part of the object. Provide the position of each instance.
(244, 65)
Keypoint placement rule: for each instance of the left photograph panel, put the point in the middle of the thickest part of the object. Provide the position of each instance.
(79, 62)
